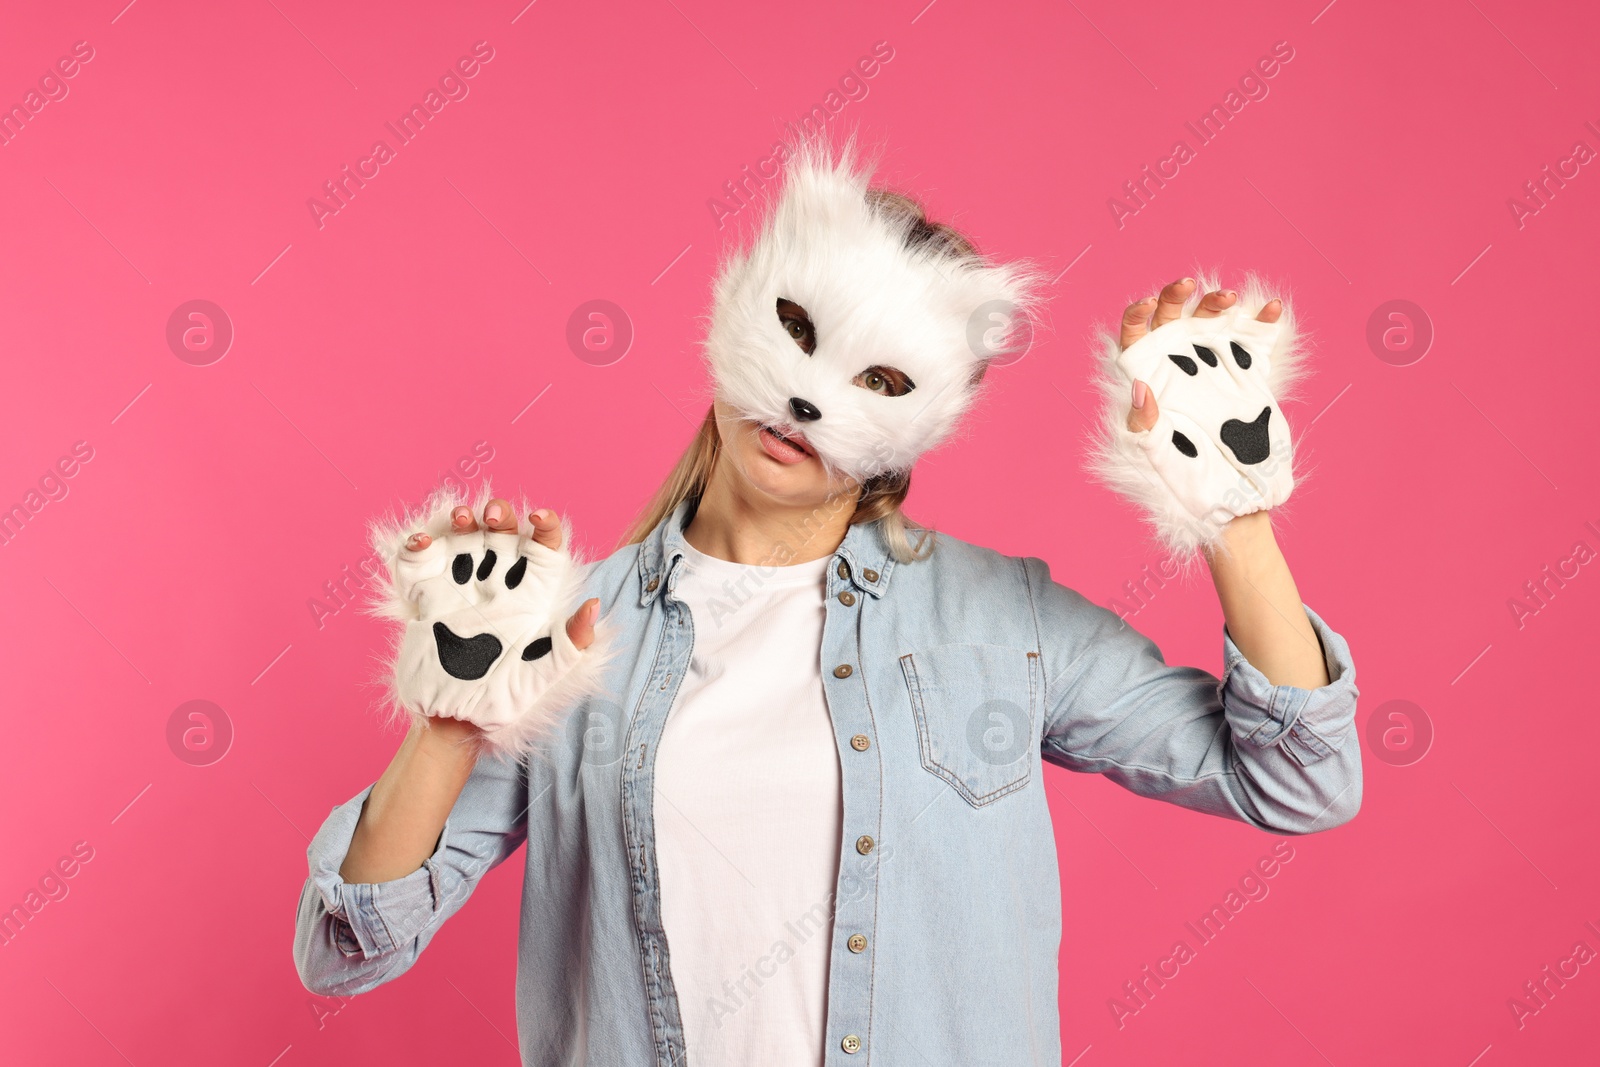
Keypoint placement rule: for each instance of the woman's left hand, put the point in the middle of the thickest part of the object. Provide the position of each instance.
(1156, 311)
(1260, 602)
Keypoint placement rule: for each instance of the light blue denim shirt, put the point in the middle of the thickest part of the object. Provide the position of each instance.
(948, 681)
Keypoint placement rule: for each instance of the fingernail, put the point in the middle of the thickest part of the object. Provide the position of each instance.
(1185, 281)
(460, 515)
(1140, 392)
(493, 513)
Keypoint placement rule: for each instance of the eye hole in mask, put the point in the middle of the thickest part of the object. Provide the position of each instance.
(797, 324)
(890, 381)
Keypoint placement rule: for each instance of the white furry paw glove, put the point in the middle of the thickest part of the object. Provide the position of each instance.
(485, 637)
(1220, 447)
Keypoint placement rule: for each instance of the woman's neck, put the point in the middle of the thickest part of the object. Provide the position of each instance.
(730, 525)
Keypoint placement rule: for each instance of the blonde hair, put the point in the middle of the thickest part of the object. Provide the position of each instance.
(879, 498)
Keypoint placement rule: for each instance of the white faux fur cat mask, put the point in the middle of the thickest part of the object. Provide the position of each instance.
(853, 321)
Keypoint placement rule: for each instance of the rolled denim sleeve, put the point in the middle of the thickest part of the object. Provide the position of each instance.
(1310, 724)
(351, 937)
(1279, 757)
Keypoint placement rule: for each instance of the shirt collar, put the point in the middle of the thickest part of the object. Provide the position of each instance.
(862, 559)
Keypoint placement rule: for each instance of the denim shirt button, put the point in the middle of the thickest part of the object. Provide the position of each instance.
(870, 575)
(652, 585)
(843, 670)
(844, 569)
(847, 598)
(861, 742)
(864, 845)
(851, 1044)
(857, 943)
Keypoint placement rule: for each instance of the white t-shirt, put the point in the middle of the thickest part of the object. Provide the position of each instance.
(748, 813)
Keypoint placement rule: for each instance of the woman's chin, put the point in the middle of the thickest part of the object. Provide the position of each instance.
(790, 484)
(786, 480)
(776, 462)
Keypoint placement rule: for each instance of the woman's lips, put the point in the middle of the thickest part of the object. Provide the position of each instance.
(785, 445)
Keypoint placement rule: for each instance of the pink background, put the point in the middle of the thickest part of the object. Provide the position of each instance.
(374, 353)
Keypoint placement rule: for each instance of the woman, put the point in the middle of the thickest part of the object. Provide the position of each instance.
(784, 804)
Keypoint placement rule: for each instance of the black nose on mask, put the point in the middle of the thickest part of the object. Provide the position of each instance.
(804, 410)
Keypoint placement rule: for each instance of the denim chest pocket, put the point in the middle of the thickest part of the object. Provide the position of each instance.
(974, 709)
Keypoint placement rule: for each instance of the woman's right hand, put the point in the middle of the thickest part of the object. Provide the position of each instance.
(545, 527)
(406, 810)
